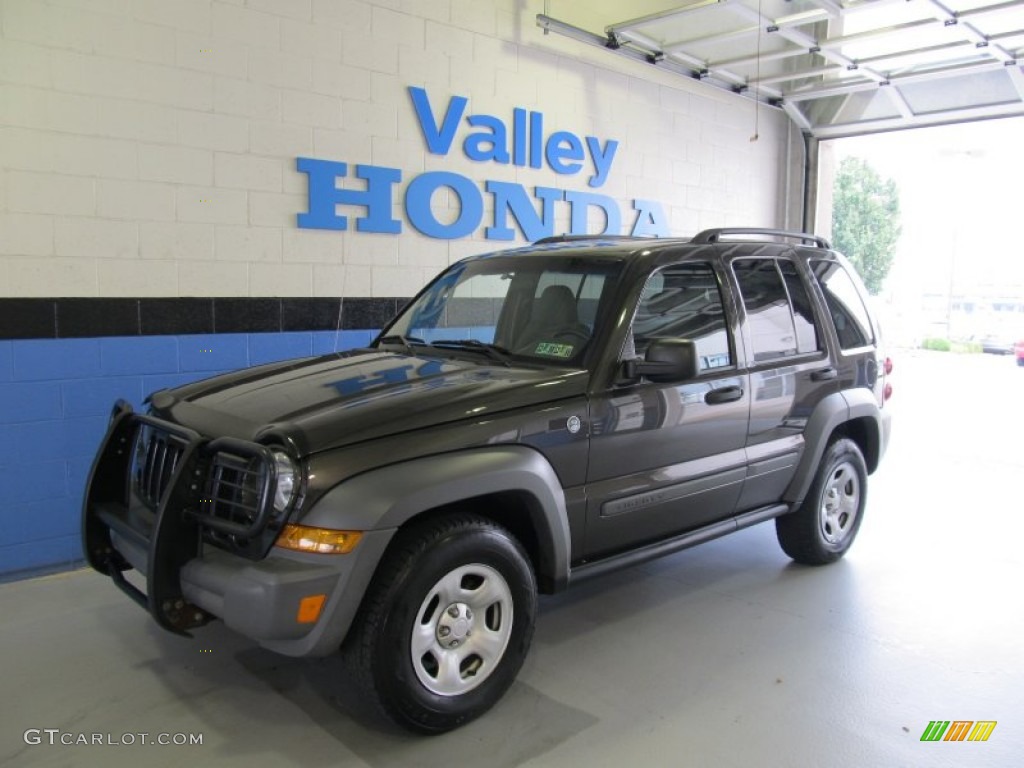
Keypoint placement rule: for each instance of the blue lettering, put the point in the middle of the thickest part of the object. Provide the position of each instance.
(512, 198)
(650, 219)
(324, 196)
(519, 136)
(439, 139)
(564, 151)
(489, 145)
(417, 205)
(602, 159)
(581, 201)
(556, 153)
(536, 139)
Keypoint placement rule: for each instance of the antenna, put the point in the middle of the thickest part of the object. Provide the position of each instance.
(757, 76)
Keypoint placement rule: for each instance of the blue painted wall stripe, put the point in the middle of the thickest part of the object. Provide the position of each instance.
(6, 361)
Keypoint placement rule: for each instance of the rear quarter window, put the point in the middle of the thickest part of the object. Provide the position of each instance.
(845, 301)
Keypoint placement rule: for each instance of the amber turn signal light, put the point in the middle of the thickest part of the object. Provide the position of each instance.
(309, 608)
(324, 541)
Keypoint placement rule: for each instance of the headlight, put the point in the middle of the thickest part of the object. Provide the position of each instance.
(287, 480)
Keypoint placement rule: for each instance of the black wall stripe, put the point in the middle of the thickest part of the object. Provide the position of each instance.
(67, 318)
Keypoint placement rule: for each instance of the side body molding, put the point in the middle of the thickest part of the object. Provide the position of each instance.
(386, 498)
(832, 412)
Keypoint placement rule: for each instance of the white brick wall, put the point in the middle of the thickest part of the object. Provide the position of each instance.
(213, 278)
(147, 147)
(178, 241)
(95, 238)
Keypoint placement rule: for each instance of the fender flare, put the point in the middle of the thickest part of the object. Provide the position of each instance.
(387, 498)
(831, 413)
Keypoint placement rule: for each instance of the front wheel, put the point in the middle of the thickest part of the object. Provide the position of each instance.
(825, 525)
(446, 623)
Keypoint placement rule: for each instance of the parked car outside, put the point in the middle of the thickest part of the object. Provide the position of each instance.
(996, 344)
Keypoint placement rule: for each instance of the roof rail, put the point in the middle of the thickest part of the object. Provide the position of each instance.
(573, 238)
(715, 235)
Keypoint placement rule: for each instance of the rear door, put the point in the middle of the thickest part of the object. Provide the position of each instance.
(788, 366)
(667, 458)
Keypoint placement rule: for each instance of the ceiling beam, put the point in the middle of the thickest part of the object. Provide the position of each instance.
(797, 116)
(669, 64)
(801, 38)
(899, 101)
(1016, 75)
(799, 74)
(832, 7)
(968, 31)
(671, 13)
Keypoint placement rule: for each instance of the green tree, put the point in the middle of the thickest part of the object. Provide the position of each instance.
(865, 220)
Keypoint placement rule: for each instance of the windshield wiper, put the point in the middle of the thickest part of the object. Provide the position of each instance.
(494, 351)
(406, 342)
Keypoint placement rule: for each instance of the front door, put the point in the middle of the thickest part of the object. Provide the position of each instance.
(667, 458)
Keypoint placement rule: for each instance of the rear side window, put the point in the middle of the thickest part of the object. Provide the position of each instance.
(683, 302)
(778, 309)
(803, 315)
(845, 304)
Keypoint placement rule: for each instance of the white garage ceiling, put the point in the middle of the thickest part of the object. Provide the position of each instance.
(839, 67)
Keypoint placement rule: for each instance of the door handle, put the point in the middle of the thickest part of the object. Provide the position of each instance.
(723, 395)
(824, 374)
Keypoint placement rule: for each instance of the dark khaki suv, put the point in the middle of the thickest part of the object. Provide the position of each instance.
(532, 418)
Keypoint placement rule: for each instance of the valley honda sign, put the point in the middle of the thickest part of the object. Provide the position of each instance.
(484, 139)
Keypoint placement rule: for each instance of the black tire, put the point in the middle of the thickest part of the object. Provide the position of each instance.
(441, 582)
(823, 528)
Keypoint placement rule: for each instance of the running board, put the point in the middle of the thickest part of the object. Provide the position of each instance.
(675, 544)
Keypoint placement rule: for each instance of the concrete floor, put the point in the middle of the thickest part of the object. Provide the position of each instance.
(726, 655)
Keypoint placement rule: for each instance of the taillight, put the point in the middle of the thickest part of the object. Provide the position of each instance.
(888, 366)
(887, 392)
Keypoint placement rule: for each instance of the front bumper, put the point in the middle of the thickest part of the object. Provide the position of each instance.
(188, 581)
(261, 599)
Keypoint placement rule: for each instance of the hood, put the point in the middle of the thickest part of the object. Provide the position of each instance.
(322, 403)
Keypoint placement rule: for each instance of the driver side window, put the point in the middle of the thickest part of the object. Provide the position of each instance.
(683, 301)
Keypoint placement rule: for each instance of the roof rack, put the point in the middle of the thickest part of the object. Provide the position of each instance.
(573, 238)
(715, 235)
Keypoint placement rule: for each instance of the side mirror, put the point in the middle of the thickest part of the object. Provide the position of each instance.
(667, 360)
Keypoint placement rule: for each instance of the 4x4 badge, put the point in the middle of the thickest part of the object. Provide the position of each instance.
(573, 424)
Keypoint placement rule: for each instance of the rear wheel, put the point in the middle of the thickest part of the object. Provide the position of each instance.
(445, 625)
(825, 525)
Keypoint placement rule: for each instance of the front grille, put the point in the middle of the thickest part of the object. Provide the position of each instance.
(156, 457)
(178, 481)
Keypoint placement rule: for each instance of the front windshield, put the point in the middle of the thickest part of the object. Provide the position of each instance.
(541, 307)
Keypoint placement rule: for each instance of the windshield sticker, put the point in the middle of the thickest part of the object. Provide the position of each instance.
(554, 350)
